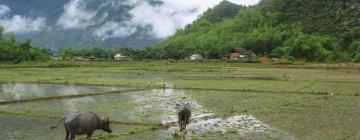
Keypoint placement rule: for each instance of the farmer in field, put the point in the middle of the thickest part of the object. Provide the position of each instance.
(184, 114)
(83, 123)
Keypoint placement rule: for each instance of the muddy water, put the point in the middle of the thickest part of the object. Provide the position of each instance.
(18, 91)
(149, 107)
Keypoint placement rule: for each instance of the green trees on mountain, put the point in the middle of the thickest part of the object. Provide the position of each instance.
(302, 29)
(12, 50)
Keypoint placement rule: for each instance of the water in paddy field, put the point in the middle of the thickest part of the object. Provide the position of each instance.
(18, 91)
(134, 114)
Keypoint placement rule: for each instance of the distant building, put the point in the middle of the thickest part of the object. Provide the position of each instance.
(74, 58)
(92, 58)
(196, 57)
(237, 53)
(119, 56)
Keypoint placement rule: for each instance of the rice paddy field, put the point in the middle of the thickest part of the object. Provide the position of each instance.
(229, 100)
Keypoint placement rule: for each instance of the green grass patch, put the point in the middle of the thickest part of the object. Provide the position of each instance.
(62, 65)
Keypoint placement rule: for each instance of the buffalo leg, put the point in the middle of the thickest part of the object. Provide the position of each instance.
(181, 126)
(67, 134)
(72, 135)
(185, 129)
(88, 135)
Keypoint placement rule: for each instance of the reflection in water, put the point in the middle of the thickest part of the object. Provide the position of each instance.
(19, 91)
(73, 105)
(16, 91)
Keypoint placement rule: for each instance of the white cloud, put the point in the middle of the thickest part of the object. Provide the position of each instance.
(75, 15)
(163, 19)
(113, 29)
(18, 23)
(245, 2)
(4, 9)
(172, 15)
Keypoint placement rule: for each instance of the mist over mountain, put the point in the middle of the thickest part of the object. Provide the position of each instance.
(97, 23)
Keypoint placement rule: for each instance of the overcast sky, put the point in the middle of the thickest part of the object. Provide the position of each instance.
(164, 19)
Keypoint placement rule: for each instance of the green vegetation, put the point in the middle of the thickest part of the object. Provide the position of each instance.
(305, 30)
(62, 65)
(99, 53)
(309, 78)
(102, 53)
(12, 50)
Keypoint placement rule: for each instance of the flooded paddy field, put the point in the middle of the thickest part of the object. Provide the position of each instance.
(134, 114)
(228, 101)
(20, 91)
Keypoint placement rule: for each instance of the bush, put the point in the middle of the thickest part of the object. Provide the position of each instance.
(310, 47)
(355, 46)
(356, 57)
(278, 52)
(340, 56)
(286, 61)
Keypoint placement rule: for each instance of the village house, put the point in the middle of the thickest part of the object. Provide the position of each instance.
(237, 53)
(119, 56)
(74, 58)
(196, 57)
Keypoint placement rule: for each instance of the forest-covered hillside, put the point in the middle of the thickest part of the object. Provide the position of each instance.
(309, 30)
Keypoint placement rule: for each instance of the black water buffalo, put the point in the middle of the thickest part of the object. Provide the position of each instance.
(83, 123)
(184, 114)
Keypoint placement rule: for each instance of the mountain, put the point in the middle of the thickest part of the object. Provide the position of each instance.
(225, 9)
(56, 24)
(309, 30)
(324, 16)
(195, 37)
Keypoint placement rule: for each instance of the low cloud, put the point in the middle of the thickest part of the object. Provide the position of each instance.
(163, 19)
(113, 29)
(75, 15)
(4, 9)
(172, 15)
(245, 2)
(18, 23)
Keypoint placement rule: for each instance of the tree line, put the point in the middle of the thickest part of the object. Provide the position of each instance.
(101, 53)
(16, 51)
